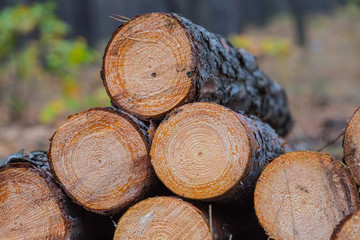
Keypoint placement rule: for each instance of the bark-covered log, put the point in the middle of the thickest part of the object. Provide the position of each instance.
(166, 218)
(31, 203)
(348, 228)
(351, 145)
(101, 159)
(206, 151)
(158, 61)
(304, 195)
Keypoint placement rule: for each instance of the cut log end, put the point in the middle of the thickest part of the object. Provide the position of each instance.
(201, 151)
(351, 145)
(304, 195)
(29, 207)
(349, 228)
(100, 157)
(148, 65)
(163, 218)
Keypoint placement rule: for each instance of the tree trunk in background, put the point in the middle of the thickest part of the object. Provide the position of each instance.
(299, 17)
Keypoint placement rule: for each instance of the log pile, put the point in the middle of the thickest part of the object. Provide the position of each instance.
(194, 126)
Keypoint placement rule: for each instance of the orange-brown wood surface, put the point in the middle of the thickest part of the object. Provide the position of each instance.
(164, 218)
(147, 74)
(101, 159)
(30, 205)
(351, 145)
(206, 151)
(304, 195)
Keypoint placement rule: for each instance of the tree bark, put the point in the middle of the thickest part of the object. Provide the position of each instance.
(304, 195)
(158, 61)
(205, 151)
(351, 145)
(348, 228)
(31, 204)
(101, 159)
(166, 218)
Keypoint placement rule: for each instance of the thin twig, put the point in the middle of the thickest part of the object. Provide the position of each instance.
(117, 19)
(121, 16)
(333, 141)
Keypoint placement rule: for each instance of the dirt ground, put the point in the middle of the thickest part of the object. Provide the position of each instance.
(322, 82)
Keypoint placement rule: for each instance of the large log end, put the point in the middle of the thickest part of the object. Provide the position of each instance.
(163, 218)
(201, 150)
(31, 205)
(101, 159)
(304, 195)
(148, 64)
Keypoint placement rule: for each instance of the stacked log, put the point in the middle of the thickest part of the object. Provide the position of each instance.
(31, 204)
(166, 218)
(348, 228)
(101, 159)
(304, 195)
(351, 145)
(193, 118)
(157, 61)
(205, 151)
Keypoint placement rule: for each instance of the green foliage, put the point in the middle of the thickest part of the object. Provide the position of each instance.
(353, 6)
(34, 47)
(278, 47)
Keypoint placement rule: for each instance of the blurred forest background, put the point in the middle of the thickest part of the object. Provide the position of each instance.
(51, 55)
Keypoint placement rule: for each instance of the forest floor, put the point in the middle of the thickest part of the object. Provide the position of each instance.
(322, 81)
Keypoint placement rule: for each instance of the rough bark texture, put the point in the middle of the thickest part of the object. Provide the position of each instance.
(231, 77)
(351, 145)
(32, 204)
(304, 195)
(100, 158)
(217, 71)
(266, 146)
(348, 228)
(205, 151)
(167, 218)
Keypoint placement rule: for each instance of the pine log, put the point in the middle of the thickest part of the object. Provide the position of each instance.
(351, 145)
(31, 204)
(348, 228)
(158, 61)
(101, 159)
(304, 195)
(205, 151)
(166, 218)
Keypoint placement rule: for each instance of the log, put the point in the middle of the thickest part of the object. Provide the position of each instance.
(101, 159)
(31, 204)
(158, 61)
(348, 228)
(304, 195)
(351, 145)
(205, 151)
(166, 218)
